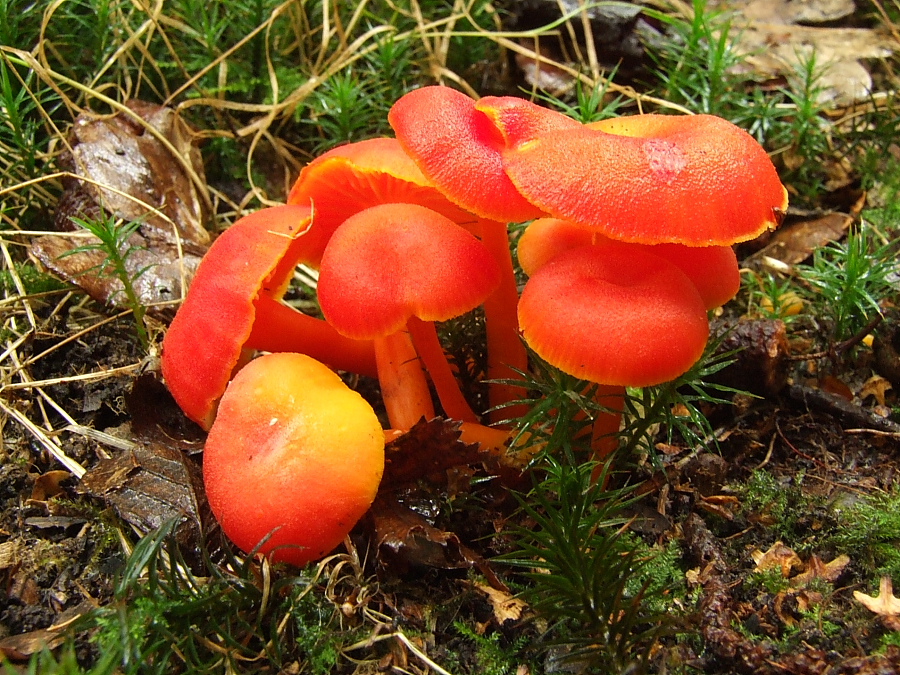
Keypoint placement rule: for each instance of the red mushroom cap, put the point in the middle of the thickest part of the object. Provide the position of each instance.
(458, 148)
(243, 274)
(294, 453)
(614, 316)
(520, 121)
(713, 270)
(394, 261)
(696, 180)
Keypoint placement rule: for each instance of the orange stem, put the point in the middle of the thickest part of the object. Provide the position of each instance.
(605, 430)
(404, 388)
(425, 339)
(279, 328)
(505, 348)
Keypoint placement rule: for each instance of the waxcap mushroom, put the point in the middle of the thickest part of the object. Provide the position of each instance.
(399, 267)
(696, 180)
(232, 308)
(713, 270)
(294, 455)
(614, 315)
(458, 143)
(394, 261)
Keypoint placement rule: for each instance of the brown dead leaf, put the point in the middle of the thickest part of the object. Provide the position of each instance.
(155, 269)
(775, 45)
(429, 449)
(48, 485)
(133, 175)
(783, 614)
(778, 556)
(10, 552)
(143, 162)
(796, 242)
(816, 569)
(405, 540)
(21, 647)
(150, 485)
(875, 386)
(505, 606)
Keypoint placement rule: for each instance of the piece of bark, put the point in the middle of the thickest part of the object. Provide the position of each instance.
(760, 356)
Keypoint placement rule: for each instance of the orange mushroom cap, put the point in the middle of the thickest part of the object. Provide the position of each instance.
(294, 453)
(231, 301)
(697, 180)
(394, 261)
(713, 270)
(520, 121)
(458, 148)
(352, 177)
(614, 316)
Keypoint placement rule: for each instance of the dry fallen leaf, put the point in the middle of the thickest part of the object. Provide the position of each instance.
(505, 606)
(150, 485)
(48, 485)
(884, 604)
(406, 540)
(778, 556)
(796, 242)
(875, 386)
(816, 569)
(10, 552)
(770, 34)
(148, 171)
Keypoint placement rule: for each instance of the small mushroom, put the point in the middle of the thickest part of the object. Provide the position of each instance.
(293, 460)
(696, 180)
(615, 315)
(399, 267)
(232, 309)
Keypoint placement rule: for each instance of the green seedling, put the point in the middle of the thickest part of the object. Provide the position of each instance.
(696, 66)
(113, 242)
(848, 281)
(582, 567)
(778, 299)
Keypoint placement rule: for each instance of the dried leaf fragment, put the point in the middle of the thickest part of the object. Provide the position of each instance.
(885, 603)
(816, 569)
(506, 607)
(778, 556)
(875, 386)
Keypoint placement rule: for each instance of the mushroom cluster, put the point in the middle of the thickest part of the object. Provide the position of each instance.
(629, 246)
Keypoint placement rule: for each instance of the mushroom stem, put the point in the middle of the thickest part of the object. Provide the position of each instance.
(404, 388)
(506, 351)
(279, 328)
(604, 438)
(425, 338)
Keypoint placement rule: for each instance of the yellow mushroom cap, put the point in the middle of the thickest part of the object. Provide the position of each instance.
(294, 453)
